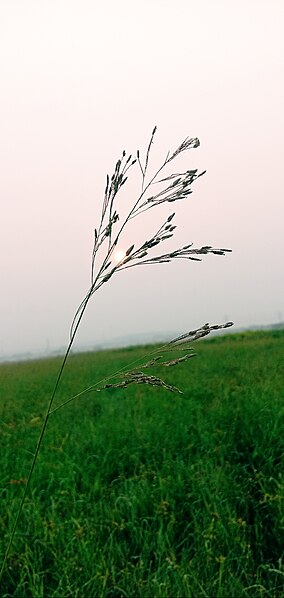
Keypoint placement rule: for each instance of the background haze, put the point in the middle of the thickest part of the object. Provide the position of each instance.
(80, 82)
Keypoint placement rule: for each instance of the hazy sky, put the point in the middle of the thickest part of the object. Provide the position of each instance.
(83, 80)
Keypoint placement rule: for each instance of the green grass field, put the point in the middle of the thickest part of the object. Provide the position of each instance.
(140, 492)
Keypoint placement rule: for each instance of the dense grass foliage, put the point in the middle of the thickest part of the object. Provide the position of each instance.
(145, 493)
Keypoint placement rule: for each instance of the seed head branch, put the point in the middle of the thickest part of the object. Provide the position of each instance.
(131, 374)
(175, 187)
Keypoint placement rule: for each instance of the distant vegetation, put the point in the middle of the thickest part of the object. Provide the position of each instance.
(143, 492)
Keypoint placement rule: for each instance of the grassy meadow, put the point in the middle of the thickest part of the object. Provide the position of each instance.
(140, 492)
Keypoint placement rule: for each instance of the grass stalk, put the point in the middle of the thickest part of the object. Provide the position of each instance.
(171, 188)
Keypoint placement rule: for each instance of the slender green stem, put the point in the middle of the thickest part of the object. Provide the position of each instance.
(39, 443)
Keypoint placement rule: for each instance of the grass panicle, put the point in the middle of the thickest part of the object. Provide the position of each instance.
(155, 191)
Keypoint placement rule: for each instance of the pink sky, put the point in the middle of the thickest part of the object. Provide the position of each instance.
(80, 82)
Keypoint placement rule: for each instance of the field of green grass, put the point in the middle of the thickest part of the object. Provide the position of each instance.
(140, 492)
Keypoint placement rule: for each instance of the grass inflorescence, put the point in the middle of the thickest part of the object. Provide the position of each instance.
(171, 188)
